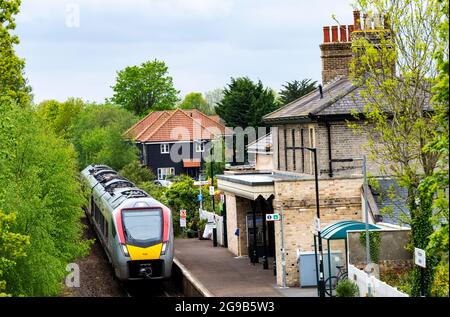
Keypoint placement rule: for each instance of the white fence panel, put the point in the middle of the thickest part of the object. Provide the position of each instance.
(379, 288)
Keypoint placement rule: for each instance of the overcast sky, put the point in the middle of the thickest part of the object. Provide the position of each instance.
(204, 42)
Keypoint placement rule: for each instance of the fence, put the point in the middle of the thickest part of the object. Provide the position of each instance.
(379, 288)
(212, 219)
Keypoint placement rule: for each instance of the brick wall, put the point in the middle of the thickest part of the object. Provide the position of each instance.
(237, 208)
(345, 143)
(339, 200)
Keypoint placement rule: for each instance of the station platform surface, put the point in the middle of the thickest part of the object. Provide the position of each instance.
(221, 274)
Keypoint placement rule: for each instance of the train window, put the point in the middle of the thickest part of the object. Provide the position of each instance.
(142, 226)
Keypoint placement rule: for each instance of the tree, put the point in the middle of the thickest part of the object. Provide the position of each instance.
(294, 90)
(245, 103)
(39, 183)
(97, 136)
(59, 115)
(137, 173)
(395, 70)
(12, 81)
(438, 181)
(213, 97)
(145, 88)
(12, 246)
(195, 100)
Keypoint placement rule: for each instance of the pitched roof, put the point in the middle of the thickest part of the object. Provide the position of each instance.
(340, 97)
(175, 125)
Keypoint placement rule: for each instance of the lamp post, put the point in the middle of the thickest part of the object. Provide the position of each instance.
(321, 282)
(366, 214)
(212, 195)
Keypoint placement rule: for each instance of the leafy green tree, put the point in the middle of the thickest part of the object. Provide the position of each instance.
(294, 90)
(12, 247)
(195, 100)
(39, 182)
(145, 88)
(137, 173)
(12, 81)
(245, 103)
(97, 136)
(59, 115)
(438, 182)
(395, 70)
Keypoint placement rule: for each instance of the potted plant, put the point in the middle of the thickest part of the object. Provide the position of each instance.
(347, 288)
(201, 228)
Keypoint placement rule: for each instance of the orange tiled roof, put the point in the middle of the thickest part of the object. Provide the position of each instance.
(175, 125)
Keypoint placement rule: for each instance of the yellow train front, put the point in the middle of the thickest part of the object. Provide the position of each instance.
(135, 230)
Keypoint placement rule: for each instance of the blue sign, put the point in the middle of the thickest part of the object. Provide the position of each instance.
(200, 197)
(237, 232)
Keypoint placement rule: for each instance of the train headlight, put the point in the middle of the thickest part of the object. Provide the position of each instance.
(125, 250)
(164, 248)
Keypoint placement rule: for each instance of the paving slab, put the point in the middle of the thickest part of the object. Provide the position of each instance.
(225, 275)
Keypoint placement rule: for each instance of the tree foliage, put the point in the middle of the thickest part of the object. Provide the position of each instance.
(245, 103)
(12, 247)
(137, 173)
(396, 69)
(39, 182)
(296, 89)
(12, 81)
(60, 115)
(145, 88)
(96, 133)
(213, 98)
(195, 100)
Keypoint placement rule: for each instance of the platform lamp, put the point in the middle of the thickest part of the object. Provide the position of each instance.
(321, 282)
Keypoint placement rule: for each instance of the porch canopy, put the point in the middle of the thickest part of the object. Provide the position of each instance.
(338, 231)
(247, 185)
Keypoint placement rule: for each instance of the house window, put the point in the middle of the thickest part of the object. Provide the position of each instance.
(165, 148)
(165, 171)
(199, 146)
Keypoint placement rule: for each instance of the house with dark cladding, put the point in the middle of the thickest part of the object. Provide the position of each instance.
(175, 142)
(318, 120)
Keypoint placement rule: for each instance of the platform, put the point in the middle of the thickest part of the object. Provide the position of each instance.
(217, 271)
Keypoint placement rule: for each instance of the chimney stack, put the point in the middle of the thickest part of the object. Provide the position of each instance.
(336, 52)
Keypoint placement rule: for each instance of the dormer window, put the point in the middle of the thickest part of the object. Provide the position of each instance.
(165, 148)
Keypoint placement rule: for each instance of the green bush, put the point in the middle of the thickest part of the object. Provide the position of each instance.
(440, 283)
(347, 288)
(137, 173)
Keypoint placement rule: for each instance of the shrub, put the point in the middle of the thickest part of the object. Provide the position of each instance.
(347, 288)
(137, 173)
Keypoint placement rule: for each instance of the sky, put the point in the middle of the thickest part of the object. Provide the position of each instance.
(74, 48)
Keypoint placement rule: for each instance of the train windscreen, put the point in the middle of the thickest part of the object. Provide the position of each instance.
(143, 227)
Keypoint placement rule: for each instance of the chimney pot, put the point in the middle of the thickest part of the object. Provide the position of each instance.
(343, 33)
(357, 20)
(334, 34)
(351, 28)
(326, 34)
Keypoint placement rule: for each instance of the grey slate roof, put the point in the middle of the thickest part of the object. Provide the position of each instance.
(391, 201)
(340, 97)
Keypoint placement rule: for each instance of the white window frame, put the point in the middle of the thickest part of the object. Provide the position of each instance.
(312, 144)
(199, 146)
(165, 148)
(163, 172)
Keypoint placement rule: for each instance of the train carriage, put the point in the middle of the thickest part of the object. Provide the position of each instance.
(135, 230)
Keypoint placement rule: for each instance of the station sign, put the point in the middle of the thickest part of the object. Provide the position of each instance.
(273, 217)
(317, 224)
(420, 257)
(202, 183)
(183, 218)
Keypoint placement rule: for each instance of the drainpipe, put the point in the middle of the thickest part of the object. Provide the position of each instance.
(330, 158)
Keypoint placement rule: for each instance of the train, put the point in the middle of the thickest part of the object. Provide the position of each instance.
(135, 230)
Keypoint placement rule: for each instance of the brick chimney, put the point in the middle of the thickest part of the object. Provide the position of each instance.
(336, 52)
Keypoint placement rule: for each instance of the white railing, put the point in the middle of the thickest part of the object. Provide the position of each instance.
(212, 219)
(379, 288)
